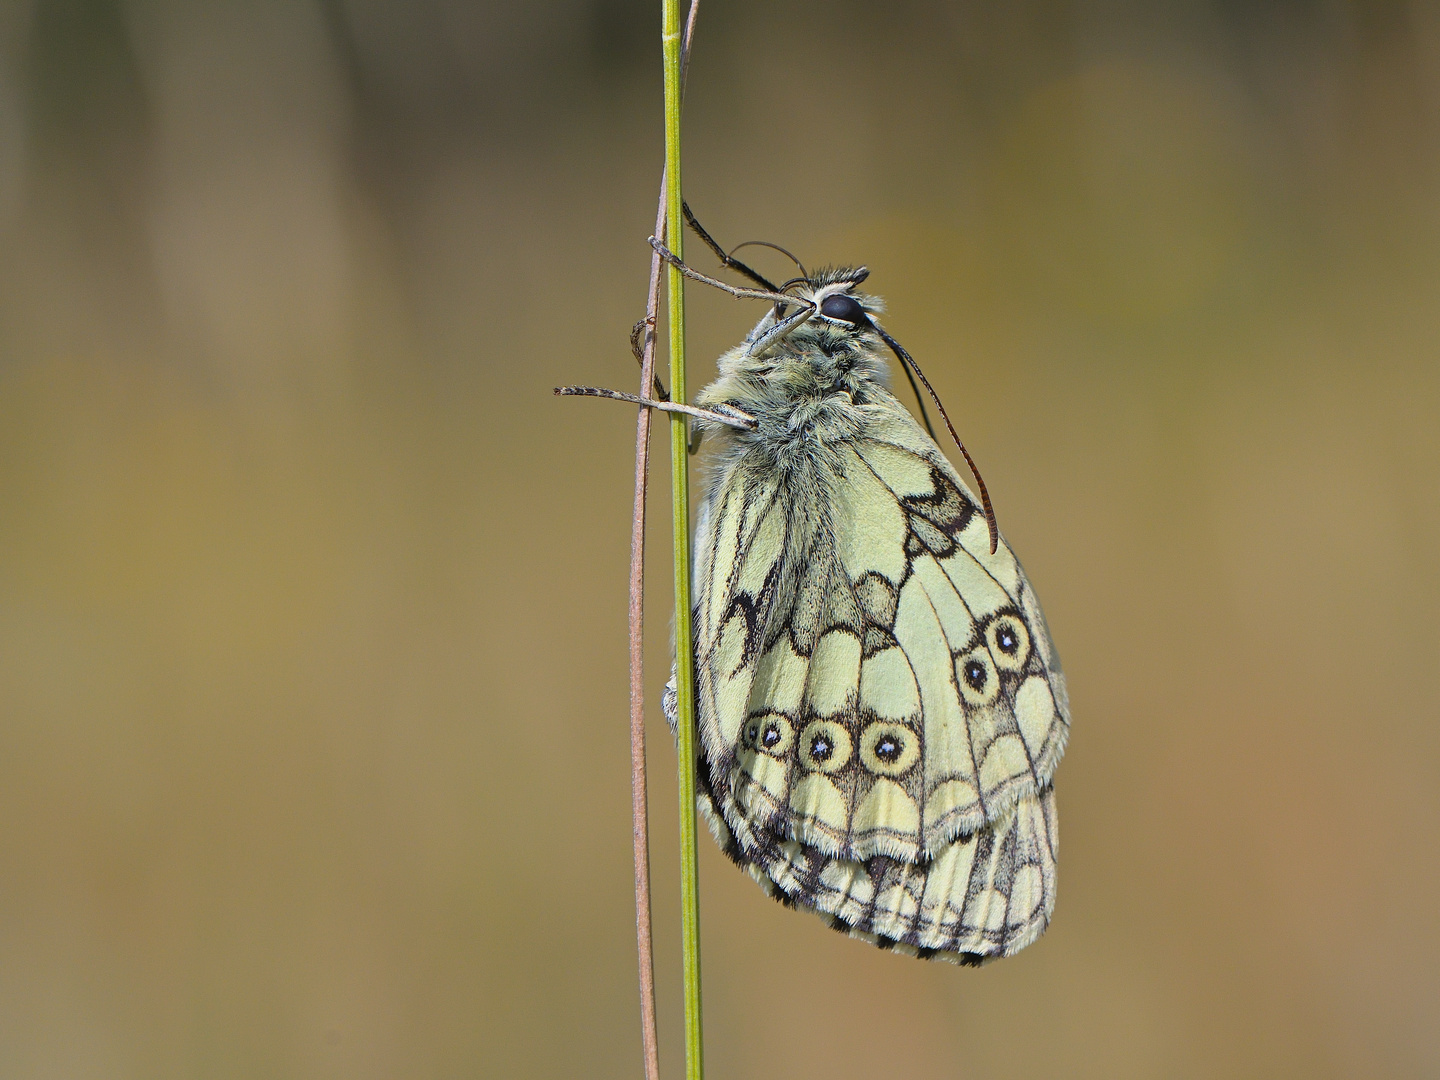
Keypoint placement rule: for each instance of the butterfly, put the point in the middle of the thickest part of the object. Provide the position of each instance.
(879, 704)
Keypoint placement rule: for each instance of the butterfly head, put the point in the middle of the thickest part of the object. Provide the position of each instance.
(823, 351)
(833, 293)
(830, 315)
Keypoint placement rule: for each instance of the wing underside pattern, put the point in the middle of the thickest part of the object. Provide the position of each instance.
(880, 707)
(985, 895)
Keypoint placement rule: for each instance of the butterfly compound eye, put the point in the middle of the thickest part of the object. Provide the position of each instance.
(844, 307)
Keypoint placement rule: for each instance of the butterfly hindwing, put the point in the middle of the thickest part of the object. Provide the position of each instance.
(906, 694)
(741, 537)
(984, 895)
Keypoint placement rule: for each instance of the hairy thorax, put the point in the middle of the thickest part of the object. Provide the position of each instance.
(816, 392)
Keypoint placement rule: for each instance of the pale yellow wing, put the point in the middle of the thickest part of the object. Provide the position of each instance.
(982, 896)
(740, 540)
(905, 690)
(994, 714)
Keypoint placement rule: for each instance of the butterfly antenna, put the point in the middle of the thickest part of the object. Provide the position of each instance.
(919, 400)
(804, 274)
(728, 260)
(908, 362)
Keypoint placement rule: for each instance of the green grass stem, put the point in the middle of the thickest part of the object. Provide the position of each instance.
(680, 490)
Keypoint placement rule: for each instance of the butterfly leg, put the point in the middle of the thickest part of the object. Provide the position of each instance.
(729, 416)
(734, 290)
(637, 346)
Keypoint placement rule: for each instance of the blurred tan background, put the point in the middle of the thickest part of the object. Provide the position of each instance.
(312, 641)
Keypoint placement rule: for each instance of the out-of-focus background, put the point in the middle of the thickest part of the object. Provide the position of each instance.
(313, 752)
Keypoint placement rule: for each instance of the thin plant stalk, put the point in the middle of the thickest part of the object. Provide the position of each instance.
(680, 505)
(639, 793)
(639, 796)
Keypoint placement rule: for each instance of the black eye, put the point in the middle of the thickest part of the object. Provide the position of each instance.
(844, 307)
